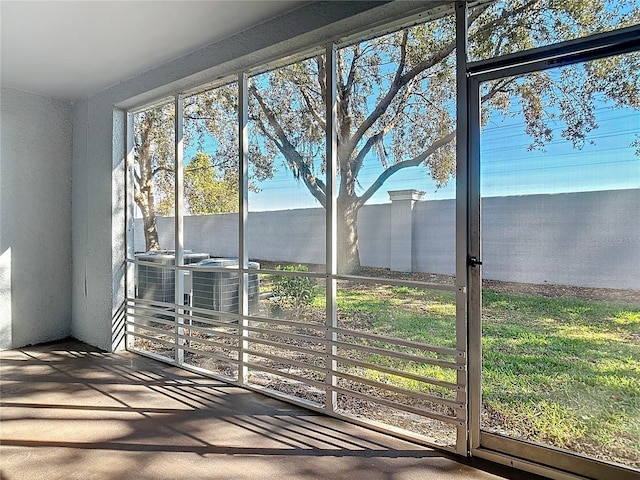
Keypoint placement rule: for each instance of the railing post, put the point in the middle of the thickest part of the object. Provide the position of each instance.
(243, 199)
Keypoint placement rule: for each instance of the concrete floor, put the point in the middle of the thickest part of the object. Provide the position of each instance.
(72, 412)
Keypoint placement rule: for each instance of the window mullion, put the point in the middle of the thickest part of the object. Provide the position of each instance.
(178, 227)
(331, 221)
(243, 189)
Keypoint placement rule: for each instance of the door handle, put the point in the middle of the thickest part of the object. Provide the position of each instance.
(472, 261)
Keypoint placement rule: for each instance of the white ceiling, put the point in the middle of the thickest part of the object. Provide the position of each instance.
(74, 49)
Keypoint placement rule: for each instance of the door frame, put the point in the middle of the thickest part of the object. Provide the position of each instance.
(524, 455)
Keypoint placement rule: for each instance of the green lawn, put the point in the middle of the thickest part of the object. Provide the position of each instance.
(564, 371)
(560, 371)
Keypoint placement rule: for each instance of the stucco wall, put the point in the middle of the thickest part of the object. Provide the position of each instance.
(589, 239)
(584, 239)
(35, 219)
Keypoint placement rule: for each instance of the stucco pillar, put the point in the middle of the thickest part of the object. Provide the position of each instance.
(401, 244)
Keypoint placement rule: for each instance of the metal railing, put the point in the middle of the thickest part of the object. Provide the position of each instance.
(401, 386)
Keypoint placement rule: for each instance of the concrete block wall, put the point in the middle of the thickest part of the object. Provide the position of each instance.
(589, 239)
(434, 236)
(584, 239)
(374, 236)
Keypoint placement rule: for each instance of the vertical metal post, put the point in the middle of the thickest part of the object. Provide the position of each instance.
(130, 268)
(331, 226)
(178, 219)
(461, 220)
(243, 188)
(475, 272)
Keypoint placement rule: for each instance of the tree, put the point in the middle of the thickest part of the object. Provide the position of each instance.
(396, 97)
(153, 154)
(396, 100)
(210, 181)
(205, 191)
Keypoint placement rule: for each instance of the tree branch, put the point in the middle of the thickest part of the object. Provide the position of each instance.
(414, 162)
(322, 73)
(496, 88)
(398, 82)
(401, 80)
(296, 162)
(343, 100)
(161, 168)
(313, 111)
(507, 15)
(375, 139)
(352, 72)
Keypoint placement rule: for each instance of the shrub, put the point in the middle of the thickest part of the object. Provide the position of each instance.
(293, 292)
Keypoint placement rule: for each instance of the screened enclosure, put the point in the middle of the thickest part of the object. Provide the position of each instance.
(425, 229)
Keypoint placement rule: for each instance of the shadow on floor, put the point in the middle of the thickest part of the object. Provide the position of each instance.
(71, 411)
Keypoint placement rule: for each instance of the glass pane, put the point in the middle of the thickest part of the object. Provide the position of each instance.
(395, 357)
(286, 229)
(287, 184)
(396, 124)
(211, 173)
(561, 258)
(154, 179)
(290, 334)
(424, 316)
(153, 240)
(211, 225)
(212, 336)
(508, 26)
(291, 295)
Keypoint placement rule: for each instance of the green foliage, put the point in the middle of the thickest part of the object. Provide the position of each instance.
(294, 292)
(396, 102)
(205, 190)
(397, 98)
(397, 91)
(211, 183)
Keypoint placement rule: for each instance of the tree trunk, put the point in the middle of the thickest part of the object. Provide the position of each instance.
(144, 195)
(150, 229)
(348, 251)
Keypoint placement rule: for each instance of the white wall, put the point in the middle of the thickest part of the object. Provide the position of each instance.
(98, 219)
(587, 239)
(35, 219)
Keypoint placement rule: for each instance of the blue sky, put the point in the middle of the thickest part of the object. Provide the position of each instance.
(508, 167)
(607, 161)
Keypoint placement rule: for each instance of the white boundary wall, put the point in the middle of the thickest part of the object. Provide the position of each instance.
(581, 239)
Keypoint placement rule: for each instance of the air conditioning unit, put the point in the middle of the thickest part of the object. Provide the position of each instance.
(158, 282)
(218, 291)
